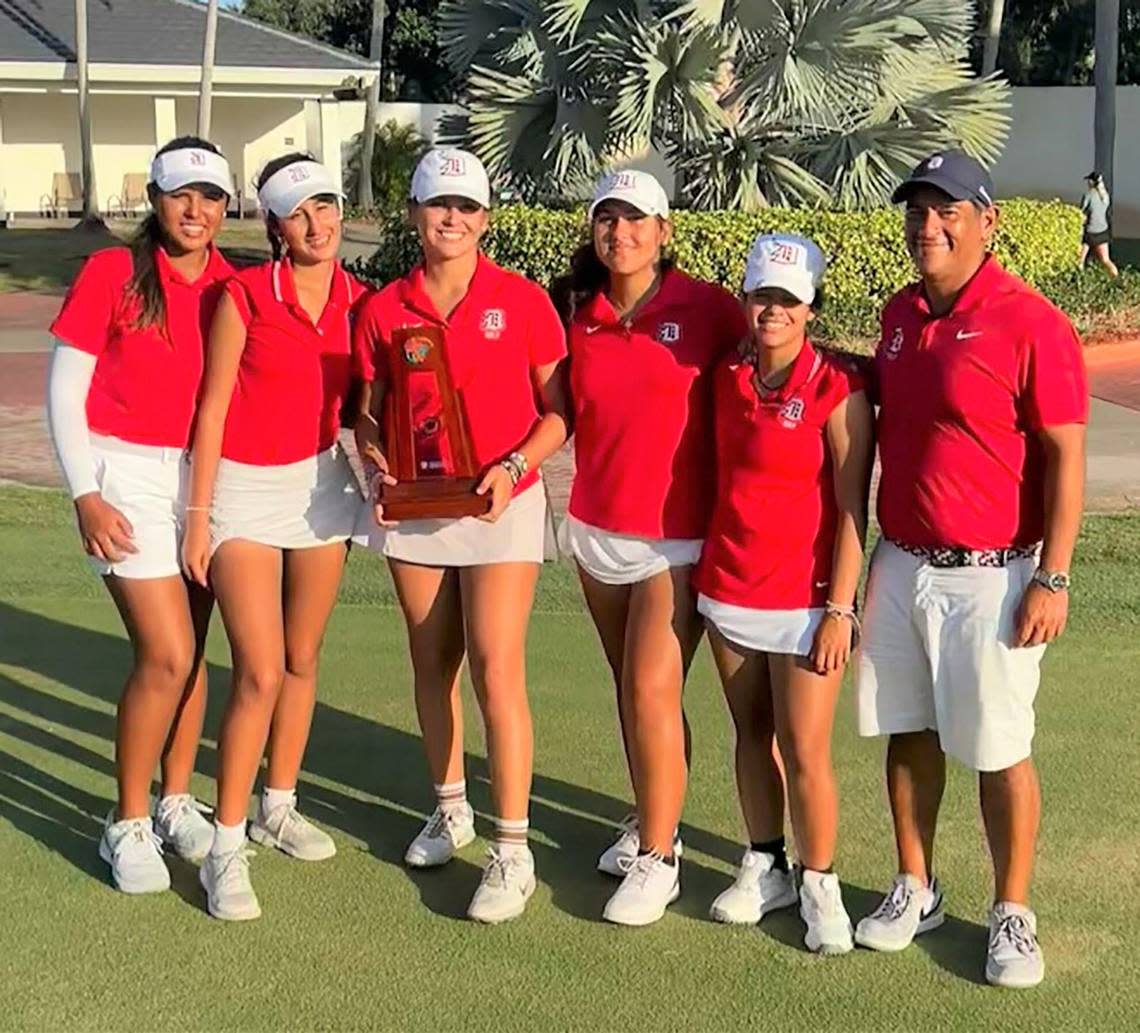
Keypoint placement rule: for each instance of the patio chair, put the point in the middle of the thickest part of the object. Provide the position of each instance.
(132, 196)
(66, 193)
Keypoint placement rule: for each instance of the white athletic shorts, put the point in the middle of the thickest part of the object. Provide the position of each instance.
(516, 537)
(937, 654)
(623, 559)
(315, 501)
(764, 631)
(147, 484)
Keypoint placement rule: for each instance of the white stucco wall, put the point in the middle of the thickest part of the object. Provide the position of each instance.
(1049, 151)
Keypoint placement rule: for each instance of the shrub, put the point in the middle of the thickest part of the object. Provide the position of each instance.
(1038, 240)
(397, 149)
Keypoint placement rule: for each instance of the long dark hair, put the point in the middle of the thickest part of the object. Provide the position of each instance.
(587, 275)
(272, 226)
(144, 283)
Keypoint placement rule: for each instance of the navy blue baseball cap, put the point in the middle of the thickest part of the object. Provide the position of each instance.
(955, 173)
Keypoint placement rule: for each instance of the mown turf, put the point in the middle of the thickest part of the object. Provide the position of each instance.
(359, 943)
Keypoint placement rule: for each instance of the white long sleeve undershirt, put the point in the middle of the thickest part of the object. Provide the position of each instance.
(69, 380)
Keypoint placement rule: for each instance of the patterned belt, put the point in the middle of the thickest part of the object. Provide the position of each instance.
(953, 556)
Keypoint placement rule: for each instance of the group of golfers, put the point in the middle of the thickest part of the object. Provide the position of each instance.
(722, 468)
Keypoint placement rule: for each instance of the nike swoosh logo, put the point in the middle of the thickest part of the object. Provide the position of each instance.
(964, 336)
(822, 584)
(592, 329)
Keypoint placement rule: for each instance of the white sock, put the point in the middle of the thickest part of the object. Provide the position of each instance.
(227, 838)
(452, 795)
(510, 836)
(271, 799)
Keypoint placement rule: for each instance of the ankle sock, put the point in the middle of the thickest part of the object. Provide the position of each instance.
(777, 848)
(510, 835)
(271, 799)
(227, 838)
(451, 795)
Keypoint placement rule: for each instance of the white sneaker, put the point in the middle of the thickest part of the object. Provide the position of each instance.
(908, 910)
(507, 884)
(445, 832)
(821, 908)
(759, 889)
(180, 823)
(229, 893)
(134, 853)
(626, 846)
(285, 829)
(649, 887)
(1014, 959)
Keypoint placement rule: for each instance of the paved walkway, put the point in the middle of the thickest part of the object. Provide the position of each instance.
(26, 456)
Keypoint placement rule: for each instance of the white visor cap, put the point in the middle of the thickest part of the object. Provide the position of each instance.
(176, 169)
(291, 186)
(450, 172)
(794, 264)
(639, 189)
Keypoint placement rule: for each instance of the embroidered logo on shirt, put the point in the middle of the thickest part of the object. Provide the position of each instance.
(792, 413)
(493, 322)
(965, 335)
(895, 344)
(669, 333)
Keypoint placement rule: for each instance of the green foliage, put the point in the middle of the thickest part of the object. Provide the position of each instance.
(413, 64)
(824, 103)
(398, 148)
(868, 259)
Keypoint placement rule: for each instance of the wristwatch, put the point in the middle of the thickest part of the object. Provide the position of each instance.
(1053, 580)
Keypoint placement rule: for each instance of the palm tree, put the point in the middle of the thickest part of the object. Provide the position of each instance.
(1104, 76)
(206, 89)
(372, 108)
(90, 217)
(993, 37)
(750, 101)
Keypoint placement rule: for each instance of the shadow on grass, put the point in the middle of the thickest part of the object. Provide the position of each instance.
(571, 824)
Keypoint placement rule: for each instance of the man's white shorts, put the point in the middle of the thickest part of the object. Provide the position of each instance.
(937, 654)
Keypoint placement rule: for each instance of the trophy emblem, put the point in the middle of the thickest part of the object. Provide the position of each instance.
(427, 435)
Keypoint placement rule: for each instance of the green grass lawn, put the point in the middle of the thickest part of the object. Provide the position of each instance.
(360, 943)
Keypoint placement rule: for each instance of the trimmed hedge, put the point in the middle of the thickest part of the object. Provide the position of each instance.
(1038, 240)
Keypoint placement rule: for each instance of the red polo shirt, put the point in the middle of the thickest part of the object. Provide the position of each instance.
(294, 374)
(145, 386)
(498, 335)
(771, 541)
(643, 429)
(962, 398)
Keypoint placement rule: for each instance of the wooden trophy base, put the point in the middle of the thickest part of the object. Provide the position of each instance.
(434, 498)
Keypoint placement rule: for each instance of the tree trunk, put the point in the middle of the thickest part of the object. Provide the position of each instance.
(1104, 76)
(371, 110)
(993, 37)
(206, 89)
(91, 215)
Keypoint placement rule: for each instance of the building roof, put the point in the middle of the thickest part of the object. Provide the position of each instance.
(155, 32)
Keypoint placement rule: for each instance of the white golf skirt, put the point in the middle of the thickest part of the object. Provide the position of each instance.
(516, 537)
(624, 559)
(764, 631)
(292, 506)
(147, 484)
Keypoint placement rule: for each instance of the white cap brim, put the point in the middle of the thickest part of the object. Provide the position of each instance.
(796, 283)
(177, 169)
(288, 188)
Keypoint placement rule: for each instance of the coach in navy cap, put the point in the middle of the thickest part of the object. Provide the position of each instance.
(982, 405)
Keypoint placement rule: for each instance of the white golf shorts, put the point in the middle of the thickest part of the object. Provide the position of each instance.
(937, 653)
(623, 559)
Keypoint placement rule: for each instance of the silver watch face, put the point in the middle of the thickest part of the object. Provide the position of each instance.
(1054, 582)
